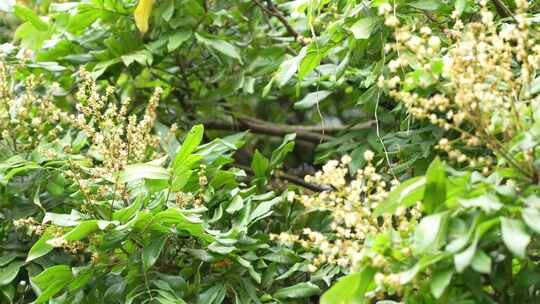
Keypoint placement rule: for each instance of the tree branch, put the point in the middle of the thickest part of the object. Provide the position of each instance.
(314, 134)
(271, 10)
(291, 178)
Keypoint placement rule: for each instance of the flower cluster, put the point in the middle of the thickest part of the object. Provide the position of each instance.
(30, 225)
(30, 120)
(119, 137)
(352, 204)
(478, 86)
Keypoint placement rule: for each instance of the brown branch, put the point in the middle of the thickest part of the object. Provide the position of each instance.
(300, 182)
(291, 178)
(317, 128)
(271, 10)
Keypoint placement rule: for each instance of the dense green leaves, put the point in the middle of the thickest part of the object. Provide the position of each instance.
(210, 205)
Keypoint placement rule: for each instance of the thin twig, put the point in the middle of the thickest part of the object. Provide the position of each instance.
(271, 10)
(502, 10)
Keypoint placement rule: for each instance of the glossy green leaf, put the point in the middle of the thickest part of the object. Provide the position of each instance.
(441, 280)
(428, 233)
(26, 14)
(300, 290)
(152, 251)
(515, 236)
(259, 164)
(531, 217)
(220, 45)
(406, 194)
(435, 192)
(351, 288)
(51, 281)
(311, 99)
(362, 28)
(143, 171)
(9, 272)
(41, 247)
(191, 142)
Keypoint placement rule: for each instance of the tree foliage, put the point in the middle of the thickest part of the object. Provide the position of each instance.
(259, 151)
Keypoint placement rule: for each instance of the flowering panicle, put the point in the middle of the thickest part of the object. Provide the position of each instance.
(352, 205)
(482, 80)
(120, 138)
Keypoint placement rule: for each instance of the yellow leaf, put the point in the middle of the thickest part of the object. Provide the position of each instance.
(142, 14)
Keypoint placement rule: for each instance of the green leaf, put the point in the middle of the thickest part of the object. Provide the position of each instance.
(435, 192)
(41, 247)
(8, 290)
(236, 204)
(428, 233)
(288, 68)
(406, 194)
(190, 144)
(362, 28)
(463, 259)
(309, 62)
(487, 202)
(5, 258)
(531, 216)
(125, 214)
(8, 273)
(143, 57)
(213, 295)
(481, 262)
(81, 230)
(259, 164)
(534, 87)
(264, 209)
(427, 5)
(143, 171)
(351, 289)
(279, 154)
(152, 251)
(26, 14)
(460, 6)
(300, 290)
(51, 281)
(180, 179)
(219, 45)
(176, 40)
(173, 216)
(441, 279)
(311, 99)
(514, 236)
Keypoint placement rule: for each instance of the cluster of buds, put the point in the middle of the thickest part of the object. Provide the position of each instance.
(73, 248)
(31, 226)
